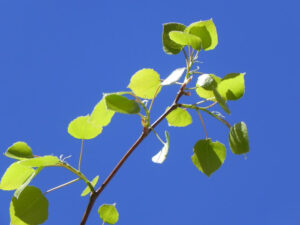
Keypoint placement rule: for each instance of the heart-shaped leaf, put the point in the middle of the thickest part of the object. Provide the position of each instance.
(108, 213)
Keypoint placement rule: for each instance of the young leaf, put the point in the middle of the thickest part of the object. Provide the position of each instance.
(169, 46)
(206, 81)
(87, 190)
(161, 156)
(184, 39)
(207, 94)
(30, 208)
(108, 213)
(15, 176)
(121, 104)
(174, 76)
(238, 138)
(208, 156)
(43, 161)
(145, 83)
(101, 116)
(84, 128)
(179, 118)
(206, 31)
(221, 101)
(232, 86)
(19, 150)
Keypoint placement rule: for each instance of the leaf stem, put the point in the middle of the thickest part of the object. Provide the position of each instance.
(202, 122)
(62, 185)
(158, 137)
(80, 157)
(156, 91)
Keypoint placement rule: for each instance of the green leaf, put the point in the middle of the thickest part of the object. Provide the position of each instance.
(87, 190)
(184, 39)
(206, 31)
(84, 128)
(174, 76)
(19, 150)
(161, 156)
(221, 101)
(238, 138)
(43, 161)
(108, 213)
(169, 46)
(207, 94)
(179, 118)
(15, 176)
(145, 83)
(101, 116)
(232, 86)
(27, 182)
(30, 208)
(208, 156)
(121, 104)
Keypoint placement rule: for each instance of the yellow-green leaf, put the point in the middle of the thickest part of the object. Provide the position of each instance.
(121, 104)
(232, 86)
(43, 161)
(184, 39)
(179, 118)
(87, 190)
(101, 116)
(84, 128)
(208, 156)
(169, 46)
(108, 213)
(19, 150)
(15, 175)
(206, 31)
(208, 94)
(145, 83)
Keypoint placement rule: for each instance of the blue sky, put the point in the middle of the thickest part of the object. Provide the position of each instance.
(58, 57)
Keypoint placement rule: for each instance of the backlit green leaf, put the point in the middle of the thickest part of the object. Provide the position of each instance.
(179, 118)
(232, 86)
(238, 138)
(161, 156)
(184, 39)
(221, 101)
(87, 190)
(30, 208)
(43, 161)
(206, 31)
(145, 83)
(84, 128)
(208, 156)
(174, 76)
(19, 150)
(169, 46)
(121, 104)
(15, 176)
(208, 94)
(108, 213)
(101, 116)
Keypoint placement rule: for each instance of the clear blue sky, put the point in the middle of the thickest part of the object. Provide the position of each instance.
(58, 57)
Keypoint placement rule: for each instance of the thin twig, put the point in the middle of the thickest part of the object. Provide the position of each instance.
(80, 157)
(62, 185)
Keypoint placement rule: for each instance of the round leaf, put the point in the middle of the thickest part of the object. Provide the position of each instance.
(208, 156)
(15, 176)
(232, 86)
(179, 118)
(145, 83)
(161, 156)
(87, 190)
(101, 116)
(206, 31)
(185, 39)
(207, 94)
(30, 208)
(43, 161)
(238, 138)
(108, 213)
(19, 150)
(169, 46)
(174, 76)
(83, 128)
(121, 104)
